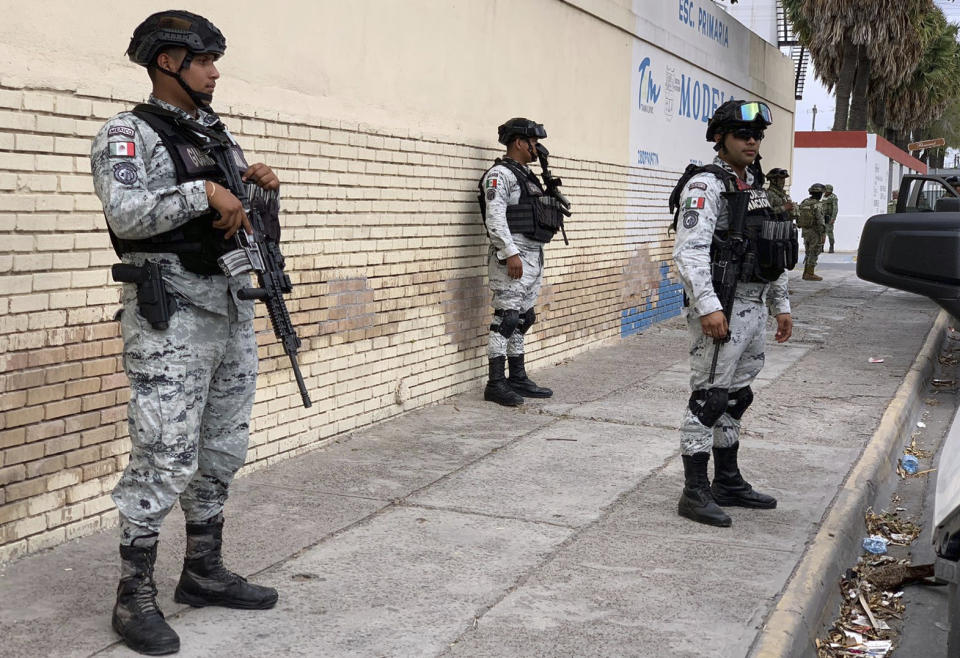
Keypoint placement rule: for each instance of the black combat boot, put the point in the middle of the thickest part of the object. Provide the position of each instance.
(729, 487)
(498, 390)
(136, 617)
(205, 581)
(696, 501)
(522, 384)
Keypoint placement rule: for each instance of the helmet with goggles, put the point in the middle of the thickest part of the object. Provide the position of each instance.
(778, 173)
(520, 127)
(177, 29)
(736, 114)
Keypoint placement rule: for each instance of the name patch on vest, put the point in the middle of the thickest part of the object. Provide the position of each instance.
(195, 160)
(758, 200)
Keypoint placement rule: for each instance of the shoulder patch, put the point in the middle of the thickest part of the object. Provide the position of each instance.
(120, 130)
(122, 149)
(491, 194)
(697, 186)
(690, 219)
(694, 202)
(492, 181)
(125, 173)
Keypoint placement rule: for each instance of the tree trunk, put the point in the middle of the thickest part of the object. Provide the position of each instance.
(848, 69)
(858, 101)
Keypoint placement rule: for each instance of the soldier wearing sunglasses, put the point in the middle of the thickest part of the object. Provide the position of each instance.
(727, 349)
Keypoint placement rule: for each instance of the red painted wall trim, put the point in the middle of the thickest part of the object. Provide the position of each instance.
(830, 139)
(904, 158)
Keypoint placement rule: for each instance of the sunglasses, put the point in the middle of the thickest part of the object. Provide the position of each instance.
(748, 133)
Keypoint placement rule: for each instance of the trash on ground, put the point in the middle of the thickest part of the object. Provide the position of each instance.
(874, 359)
(945, 382)
(886, 524)
(920, 423)
(875, 544)
(910, 464)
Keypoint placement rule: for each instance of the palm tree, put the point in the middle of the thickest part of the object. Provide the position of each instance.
(922, 97)
(851, 47)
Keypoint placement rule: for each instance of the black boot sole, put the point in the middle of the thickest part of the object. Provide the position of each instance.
(530, 394)
(503, 403)
(693, 516)
(197, 601)
(724, 501)
(162, 650)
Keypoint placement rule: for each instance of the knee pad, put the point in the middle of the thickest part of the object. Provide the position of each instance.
(526, 320)
(740, 399)
(509, 321)
(708, 405)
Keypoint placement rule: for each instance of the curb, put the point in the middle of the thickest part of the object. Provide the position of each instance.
(811, 591)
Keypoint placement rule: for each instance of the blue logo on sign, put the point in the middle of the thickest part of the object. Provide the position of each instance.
(649, 92)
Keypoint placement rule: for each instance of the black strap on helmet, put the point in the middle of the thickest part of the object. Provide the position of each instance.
(181, 29)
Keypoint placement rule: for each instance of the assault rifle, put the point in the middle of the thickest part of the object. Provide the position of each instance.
(257, 254)
(731, 264)
(552, 184)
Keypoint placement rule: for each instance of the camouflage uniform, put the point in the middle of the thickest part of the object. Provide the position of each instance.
(779, 199)
(502, 189)
(830, 206)
(193, 384)
(740, 358)
(813, 236)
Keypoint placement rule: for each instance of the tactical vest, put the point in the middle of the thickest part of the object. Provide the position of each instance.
(808, 219)
(531, 215)
(771, 244)
(197, 243)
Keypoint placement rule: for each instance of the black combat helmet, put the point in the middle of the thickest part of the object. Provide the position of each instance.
(735, 114)
(816, 189)
(177, 29)
(520, 127)
(778, 173)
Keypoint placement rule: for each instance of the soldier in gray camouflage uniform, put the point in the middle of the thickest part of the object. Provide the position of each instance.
(509, 192)
(193, 374)
(712, 417)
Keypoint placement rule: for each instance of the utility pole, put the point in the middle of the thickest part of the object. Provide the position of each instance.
(813, 125)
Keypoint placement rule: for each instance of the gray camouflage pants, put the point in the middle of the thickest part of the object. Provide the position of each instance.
(191, 394)
(738, 364)
(513, 294)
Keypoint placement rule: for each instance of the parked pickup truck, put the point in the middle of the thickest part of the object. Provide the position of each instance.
(917, 249)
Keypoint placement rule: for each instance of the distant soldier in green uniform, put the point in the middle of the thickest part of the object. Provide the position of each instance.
(892, 205)
(814, 228)
(830, 208)
(780, 201)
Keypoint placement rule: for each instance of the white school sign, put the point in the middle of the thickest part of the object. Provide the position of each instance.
(691, 56)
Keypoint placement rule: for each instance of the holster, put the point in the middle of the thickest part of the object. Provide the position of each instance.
(154, 302)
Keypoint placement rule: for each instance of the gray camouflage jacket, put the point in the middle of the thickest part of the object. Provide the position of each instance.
(135, 179)
(702, 212)
(501, 189)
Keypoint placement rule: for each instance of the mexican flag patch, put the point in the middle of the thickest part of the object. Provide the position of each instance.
(123, 149)
(492, 183)
(691, 203)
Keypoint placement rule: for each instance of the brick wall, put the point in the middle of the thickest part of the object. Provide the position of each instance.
(385, 247)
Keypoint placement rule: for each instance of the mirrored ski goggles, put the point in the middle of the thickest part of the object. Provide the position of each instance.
(754, 111)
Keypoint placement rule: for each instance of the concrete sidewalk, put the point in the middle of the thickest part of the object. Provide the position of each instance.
(466, 529)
